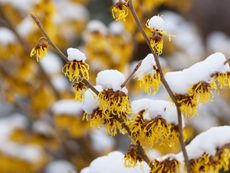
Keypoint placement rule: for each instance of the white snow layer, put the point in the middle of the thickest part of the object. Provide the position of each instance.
(96, 25)
(181, 81)
(157, 22)
(75, 54)
(67, 107)
(6, 36)
(146, 67)
(153, 108)
(51, 63)
(110, 79)
(60, 166)
(116, 27)
(23, 5)
(90, 102)
(114, 163)
(26, 27)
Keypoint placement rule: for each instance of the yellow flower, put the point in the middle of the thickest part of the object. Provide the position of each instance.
(40, 50)
(152, 132)
(79, 89)
(151, 83)
(166, 166)
(132, 157)
(223, 79)
(76, 70)
(120, 10)
(116, 102)
(188, 104)
(157, 26)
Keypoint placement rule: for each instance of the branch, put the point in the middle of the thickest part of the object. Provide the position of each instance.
(141, 150)
(38, 23)
(227, 61)
(131, 75)
(164, 82)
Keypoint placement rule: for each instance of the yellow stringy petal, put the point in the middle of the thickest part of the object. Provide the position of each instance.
(166, 166)
(120, 11)
(76, 71)
(151, 83)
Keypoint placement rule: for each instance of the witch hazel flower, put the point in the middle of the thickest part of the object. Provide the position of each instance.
(207, 152)
(195, 85)
(113, 100)
(158, 28)
(120, 9)
(148, 75)
(40, 49)
(154, 122)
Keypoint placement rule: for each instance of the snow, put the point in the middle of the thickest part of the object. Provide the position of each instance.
(90, 102)
(26, 27)
(60, 82)
(30, 153)
(110, 79)
(218, 41)
(100, 141)
(60, 166)
(69, 107)
(157, 22)
(6, 36)
(96, 25)
(8, 124)
(75, 54)
(71, 11)
(42, 127)
(116, 27)
(208, 142)
(181, 81)
(23, 5)
(51, 63)
(153, 108)
(114, 163)
(146, 66)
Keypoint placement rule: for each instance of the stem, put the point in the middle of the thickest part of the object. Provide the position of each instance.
(227, 61)
(6, 22)
(62, 55)
(140, 148)
(38, 23)
(164, 82)
(131, 75)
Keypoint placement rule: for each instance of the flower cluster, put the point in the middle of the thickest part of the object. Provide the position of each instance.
(154, 125)
(120, 10)
(196, 84)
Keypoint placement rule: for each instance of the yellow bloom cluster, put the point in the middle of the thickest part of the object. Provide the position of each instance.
(73, 125)
(40, 50)
(152, 132)
(151, 83)
(76, 71)
(167, 166)
(132, 157)
(79, 89)
(120, 10)
(115, 102)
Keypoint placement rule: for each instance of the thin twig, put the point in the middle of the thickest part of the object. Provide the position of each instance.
(27, 48)
(141, 150)
(227, 61)
(131, 75)
(37, 21)
(164, 82)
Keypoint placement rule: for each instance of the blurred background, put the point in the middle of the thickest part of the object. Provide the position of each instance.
(41, 127)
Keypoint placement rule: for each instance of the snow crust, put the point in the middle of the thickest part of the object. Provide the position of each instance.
(67, 107)
(60, 166)
(6, 36)
(181, 81)
(23, 5)
(30, 153)
(157, 22)
(110, 79)
(26, 27)
(154, 108)
(100, 141)
(51, 63)
(146, 66)
(90, 102)
(75, 54)
(114, 163)
(96, 25)
(116, 27)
